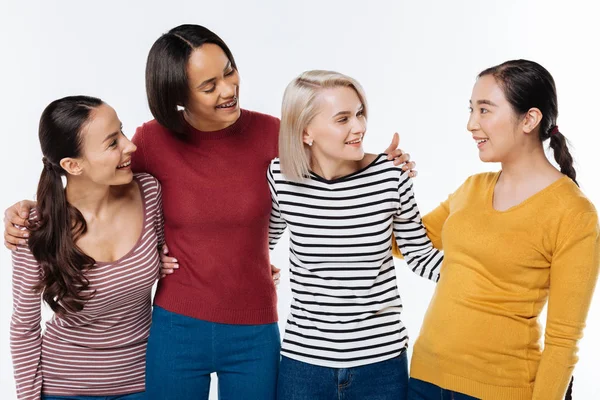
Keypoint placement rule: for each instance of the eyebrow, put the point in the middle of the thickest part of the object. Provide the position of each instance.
(488, 102)
(362, 107)
(212, 80)
(112, 135)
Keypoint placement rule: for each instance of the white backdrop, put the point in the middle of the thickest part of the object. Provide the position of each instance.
(416, 60)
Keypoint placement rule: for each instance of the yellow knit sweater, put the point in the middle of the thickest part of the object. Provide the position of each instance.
(481, 335)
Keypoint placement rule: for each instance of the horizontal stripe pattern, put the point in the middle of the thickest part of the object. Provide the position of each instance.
(100, 350)
(346, 307)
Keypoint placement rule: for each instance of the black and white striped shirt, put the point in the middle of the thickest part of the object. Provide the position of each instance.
(346, 308)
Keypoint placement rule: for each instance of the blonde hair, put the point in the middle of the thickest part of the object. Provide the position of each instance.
(298, 110)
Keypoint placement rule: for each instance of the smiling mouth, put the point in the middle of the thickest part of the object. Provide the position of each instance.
(355, 141)
(480, 141)
(230, 104)
(124, 165)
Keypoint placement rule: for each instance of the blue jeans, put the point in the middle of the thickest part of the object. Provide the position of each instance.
(131, 396)
(421, 390)
(385, 380)
(183, 351)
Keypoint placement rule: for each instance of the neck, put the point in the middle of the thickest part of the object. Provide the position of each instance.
(333, 168)
(90, 198)
(204, 125)
(527, 164)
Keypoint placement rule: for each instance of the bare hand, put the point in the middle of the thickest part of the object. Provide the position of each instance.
(168, 264)
(275, 274)
(400, 157)
(17, 214)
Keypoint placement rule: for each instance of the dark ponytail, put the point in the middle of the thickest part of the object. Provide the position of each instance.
(526, 84)
(558, 143)
(569, 394)
(57, 225)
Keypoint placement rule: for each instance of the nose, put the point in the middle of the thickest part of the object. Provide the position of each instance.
(472, 123)
(228, 89)
(359, 125)
(129, 147)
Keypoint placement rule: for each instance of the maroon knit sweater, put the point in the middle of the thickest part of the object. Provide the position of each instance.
(216, 207)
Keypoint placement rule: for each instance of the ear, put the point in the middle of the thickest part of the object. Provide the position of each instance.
(72, 165)
(307, 138)
(531, 120)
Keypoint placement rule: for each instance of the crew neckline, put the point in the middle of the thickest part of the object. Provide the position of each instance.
(319, 178)
(238, 126)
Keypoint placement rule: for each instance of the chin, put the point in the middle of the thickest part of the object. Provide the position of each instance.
(355, 155)
(232, 115)
(487, 158)
(124, 179)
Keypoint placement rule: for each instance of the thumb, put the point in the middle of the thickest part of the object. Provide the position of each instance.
(274, 268)
(23, 210)
(165, 249)
(394, 145)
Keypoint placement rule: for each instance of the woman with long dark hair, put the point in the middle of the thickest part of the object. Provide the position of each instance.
(513, 241)
(92, 256)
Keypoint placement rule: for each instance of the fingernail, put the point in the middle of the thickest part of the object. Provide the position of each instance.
(174, 260)
(22, 241)
(176, 266)
(23, 214)
(164, 250)
(26, 235)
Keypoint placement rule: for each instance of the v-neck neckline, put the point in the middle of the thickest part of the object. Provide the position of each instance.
(539, 193)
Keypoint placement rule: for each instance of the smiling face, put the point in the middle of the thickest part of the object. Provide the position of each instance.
(492, 122)
(336, 133)
(106, 152)
(214, 87)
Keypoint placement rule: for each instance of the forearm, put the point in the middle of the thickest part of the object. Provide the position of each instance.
(25, 331)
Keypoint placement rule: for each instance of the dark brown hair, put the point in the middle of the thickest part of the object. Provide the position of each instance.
(526, 84)
(57, 224)
(166, 72)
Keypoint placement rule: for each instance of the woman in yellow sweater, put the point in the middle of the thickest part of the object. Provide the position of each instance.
(512, 240)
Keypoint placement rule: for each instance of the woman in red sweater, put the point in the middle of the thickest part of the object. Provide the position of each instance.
(218, 312)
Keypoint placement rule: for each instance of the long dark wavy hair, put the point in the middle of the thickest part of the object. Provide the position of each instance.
(526, 84)
(57, 224)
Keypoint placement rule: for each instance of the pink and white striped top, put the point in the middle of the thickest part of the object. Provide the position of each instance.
(100, 350)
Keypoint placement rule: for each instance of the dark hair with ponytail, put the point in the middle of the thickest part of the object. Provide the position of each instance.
(569, 394)
(526, 84)
(58, 224)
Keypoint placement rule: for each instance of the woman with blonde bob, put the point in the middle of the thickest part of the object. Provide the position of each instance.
(344, 335)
